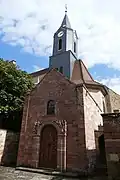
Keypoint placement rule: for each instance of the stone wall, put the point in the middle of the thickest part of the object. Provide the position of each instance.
(98, 97)
(92, 114)
(113, 101)
(8, 147)
(112, 143)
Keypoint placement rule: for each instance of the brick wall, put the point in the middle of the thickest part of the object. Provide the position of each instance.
(8, 147)
(69, 107)
(112, 143)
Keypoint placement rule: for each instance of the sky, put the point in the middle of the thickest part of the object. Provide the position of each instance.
(27, 28)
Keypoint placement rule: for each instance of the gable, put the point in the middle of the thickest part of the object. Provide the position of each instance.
(52, 82)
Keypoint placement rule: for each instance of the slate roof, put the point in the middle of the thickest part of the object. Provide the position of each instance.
(66, 22)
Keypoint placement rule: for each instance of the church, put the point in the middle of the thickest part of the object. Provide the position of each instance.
(62, 125)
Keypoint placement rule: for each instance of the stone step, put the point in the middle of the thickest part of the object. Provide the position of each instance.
(51, 172)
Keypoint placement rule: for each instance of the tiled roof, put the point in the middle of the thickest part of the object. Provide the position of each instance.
(81, 75)
(66, 22)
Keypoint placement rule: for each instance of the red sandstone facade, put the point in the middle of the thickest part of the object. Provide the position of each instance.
(72, 137)
(75, 137)
(68, 122)
(69, 139)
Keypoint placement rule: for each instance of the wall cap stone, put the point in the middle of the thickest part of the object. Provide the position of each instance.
(110, 115)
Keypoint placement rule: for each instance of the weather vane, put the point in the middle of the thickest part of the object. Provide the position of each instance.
(65, 8)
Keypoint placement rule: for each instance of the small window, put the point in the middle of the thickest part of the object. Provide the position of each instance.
(51, 107)
(61, 69)
(56, 69)
(60, 44)
(75, 47)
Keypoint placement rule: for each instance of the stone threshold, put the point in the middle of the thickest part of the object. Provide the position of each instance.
(52, 172)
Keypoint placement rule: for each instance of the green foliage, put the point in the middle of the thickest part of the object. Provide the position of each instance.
(14, 84)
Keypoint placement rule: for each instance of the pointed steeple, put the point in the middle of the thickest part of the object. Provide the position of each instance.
(66, 22)
(65, 48)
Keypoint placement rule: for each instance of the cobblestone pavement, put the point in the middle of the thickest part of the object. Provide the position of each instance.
(8, 173)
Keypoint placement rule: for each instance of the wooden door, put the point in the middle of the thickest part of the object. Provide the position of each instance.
(48, 147)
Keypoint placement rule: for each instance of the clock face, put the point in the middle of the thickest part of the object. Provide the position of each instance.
(60, 33)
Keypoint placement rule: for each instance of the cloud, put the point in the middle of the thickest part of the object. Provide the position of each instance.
(37, 68)
(112, 83)
(32, 23)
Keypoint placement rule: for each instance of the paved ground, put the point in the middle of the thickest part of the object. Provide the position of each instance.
(7, 173)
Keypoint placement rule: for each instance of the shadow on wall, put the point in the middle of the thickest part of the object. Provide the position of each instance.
(10, 126)
(9, 147)
(57, 178)
(11, 121)
(97, 158)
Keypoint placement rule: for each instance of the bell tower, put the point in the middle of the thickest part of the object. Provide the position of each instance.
(65, 48)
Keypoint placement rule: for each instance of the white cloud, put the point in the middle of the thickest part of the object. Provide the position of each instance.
(37, 68)
(32, 23)
(112, 83)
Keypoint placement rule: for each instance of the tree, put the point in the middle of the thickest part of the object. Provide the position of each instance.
(14, 84)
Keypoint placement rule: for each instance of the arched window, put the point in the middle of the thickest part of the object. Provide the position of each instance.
(75, 47)
(51, 107)
(60, 44)
(61, 69)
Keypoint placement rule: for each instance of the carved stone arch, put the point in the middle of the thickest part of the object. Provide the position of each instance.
(45, 123)
(61, 127)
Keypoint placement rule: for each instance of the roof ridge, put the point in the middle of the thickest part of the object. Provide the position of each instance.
(87, 70)
(54, 69)
(40, 71)
(81, 70)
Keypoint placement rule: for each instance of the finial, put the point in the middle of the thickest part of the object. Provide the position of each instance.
(65, 8)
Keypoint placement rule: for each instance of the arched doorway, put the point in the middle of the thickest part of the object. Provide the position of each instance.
(48, 147)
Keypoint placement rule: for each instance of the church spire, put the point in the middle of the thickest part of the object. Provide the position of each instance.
(65, 48)
(66, 22)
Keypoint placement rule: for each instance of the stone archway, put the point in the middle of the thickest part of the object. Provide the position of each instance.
(61, 128)
(48, 147)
